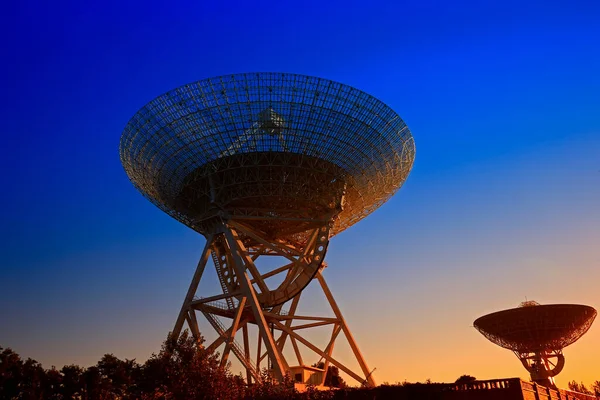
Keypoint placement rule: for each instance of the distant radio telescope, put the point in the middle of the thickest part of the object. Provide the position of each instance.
(267, 166)
(537, 334)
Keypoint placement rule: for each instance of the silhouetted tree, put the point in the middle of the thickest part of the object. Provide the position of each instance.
(119, 376)
(52, 384)
(184, 370)
(33, 377)
(332, 377)
(579, 387)
(465, 379)
(269, 389)
(18, 379)
(313, 393)
(96, 387)
(72, 383)
(11, 370)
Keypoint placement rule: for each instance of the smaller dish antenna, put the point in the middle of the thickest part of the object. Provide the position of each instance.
(537, 334)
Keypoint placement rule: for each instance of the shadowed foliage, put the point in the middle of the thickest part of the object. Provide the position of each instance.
(332, 378)
(580, 387)
(465, 379)
(184, 370)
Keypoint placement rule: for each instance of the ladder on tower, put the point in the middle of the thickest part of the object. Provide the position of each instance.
(247, 362)
(224, 286)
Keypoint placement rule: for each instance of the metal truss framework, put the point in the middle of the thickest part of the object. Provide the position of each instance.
(244, 302)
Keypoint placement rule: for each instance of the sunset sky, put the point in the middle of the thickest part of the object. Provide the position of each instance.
(502, 204)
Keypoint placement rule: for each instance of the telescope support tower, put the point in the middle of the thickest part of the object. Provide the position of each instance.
(248, 304)
(268, 167)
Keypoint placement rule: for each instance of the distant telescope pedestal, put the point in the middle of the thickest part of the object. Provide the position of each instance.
(247, 300)
(543, 366)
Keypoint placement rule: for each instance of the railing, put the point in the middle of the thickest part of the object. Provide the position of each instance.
(486, 385)
(537, 392)
(221, 305)
(526, 390)
(225, 306)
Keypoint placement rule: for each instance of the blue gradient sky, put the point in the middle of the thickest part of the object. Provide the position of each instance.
(502, 204)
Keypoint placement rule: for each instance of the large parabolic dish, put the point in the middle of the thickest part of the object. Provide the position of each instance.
(267, 144)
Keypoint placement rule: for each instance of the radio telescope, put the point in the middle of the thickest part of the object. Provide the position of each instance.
(537, 334)
(267, 166)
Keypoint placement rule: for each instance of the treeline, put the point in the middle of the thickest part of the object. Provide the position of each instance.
(581, 388)
(180, 371)
(184, 371)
